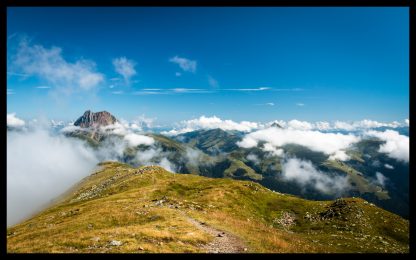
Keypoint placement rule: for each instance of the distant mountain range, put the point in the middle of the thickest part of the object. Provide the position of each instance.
(227, 199)
(215, 153)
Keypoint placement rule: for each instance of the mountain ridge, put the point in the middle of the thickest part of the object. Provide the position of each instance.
(120, 208)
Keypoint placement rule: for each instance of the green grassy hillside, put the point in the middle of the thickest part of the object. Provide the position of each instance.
(147, 209)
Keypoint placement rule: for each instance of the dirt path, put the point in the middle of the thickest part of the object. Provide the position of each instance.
(223, 242)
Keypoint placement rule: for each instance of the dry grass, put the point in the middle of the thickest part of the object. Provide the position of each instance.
(128, 210)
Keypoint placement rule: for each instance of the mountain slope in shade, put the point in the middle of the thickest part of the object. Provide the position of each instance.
(213, 141)
(139, 210)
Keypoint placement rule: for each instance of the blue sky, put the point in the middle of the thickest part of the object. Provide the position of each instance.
(256, 64)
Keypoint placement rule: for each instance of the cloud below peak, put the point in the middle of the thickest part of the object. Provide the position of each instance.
(328, 143)
(305, 174)
(396, 145)
(213, 122)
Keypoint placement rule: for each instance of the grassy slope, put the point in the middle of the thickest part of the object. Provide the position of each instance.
(362, 184)
(121, 203)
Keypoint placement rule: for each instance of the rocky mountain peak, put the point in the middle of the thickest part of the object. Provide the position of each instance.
(91, 119)
(276, 125)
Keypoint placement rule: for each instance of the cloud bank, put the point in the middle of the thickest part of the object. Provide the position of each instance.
(305, 174)
(13, 121)
(135, 139)
(213, 122)
(331, 144)
(40, 166)
(396, 145)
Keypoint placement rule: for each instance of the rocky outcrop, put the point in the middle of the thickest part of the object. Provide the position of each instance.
(91, 119)
(276, 125)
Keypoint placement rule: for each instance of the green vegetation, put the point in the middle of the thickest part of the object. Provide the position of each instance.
(239, 170)
(211, 141)
(357, 179)
(124, 209)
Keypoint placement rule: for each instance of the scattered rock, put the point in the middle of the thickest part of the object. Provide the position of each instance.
(286, 220)
(115, 243)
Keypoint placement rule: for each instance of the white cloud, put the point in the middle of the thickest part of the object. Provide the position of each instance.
(10, 91)
(396, 146)
(213, 83)
(177, 131)
(40, 166)
(166, 164)
(343, 126)
(337, 125)
(13, 121)
(120, 128)
(300, 104)
(248, 89)
(363, 124)
(149, 92)
(380, 179)
(406, 122)
(118, 92)
(155, 156)
(178, 74)
(328, 143)
(142, 121)
(254, 158)
(43, 87)
(188, 90)
(194, 156)
(70, 128)
(213, 122)
(172, 91)
(322, 125)
(388, 166)
(305, 174)
(135, 139)
(125, 68)
(270, 104)
(273, 150)
(49, 65)
(299, 125)
(339, 155)
(376, 163)
(184, 64)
